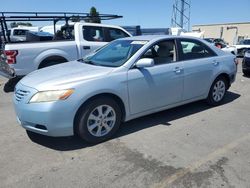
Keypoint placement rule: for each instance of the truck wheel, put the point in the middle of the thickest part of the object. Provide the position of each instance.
(98, 120)
(55, 60)
(217, 91)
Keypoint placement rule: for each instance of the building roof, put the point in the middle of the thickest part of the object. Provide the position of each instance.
(232, 23)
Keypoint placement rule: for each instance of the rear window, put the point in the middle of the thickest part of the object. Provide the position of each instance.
(114, 34)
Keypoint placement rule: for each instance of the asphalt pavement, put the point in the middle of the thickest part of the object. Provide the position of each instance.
(188, 146)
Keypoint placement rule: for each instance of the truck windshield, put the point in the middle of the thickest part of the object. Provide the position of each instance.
(116, 53)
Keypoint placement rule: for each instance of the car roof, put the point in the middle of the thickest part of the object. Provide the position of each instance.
(158, 37)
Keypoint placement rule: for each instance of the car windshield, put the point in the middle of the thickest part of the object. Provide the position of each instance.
(115, 53)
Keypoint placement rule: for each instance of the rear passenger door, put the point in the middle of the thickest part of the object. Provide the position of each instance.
(199, 62)
(93, 38)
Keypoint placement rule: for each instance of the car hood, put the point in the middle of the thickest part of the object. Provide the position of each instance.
(242, 46)
(59, 76)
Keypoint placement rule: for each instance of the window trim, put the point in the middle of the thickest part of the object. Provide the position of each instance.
(180, 51)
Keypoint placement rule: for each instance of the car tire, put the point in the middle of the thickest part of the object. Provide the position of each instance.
(245, 73)
(98, 120)
(217, 91)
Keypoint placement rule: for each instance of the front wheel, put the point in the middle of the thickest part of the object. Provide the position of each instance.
(217, 91)
(98, 120)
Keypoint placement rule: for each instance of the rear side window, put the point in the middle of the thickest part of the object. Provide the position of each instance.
(191, 49)
(114, 34)
(92, 33)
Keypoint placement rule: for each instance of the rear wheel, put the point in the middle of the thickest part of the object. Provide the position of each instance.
(217, 91)
(98, 120)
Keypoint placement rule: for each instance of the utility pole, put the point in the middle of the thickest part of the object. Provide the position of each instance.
(181, 14)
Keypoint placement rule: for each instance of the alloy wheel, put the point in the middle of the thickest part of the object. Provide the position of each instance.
(101, 120)
(219, 90)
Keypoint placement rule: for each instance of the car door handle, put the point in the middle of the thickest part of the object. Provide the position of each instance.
(216, 63)
(86, 47)
(177, 70)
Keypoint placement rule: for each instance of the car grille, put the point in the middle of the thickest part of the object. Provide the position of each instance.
(20, 94)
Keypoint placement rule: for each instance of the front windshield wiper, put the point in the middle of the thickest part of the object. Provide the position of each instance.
(86, 61)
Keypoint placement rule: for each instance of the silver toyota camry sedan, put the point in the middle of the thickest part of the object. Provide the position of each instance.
(126, 79)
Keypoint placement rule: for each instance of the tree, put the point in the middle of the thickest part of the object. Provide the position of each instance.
(16, 24)
(93, 16)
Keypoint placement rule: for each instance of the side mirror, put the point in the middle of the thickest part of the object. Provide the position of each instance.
(145, 62)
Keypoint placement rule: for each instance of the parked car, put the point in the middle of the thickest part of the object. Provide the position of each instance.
(246, 63)
(126, 79)
(242, 47)
(70, 43)
(220, 43)
(18, 34)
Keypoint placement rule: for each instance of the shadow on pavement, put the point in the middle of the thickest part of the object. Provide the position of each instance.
(164, 117)
(246, 76)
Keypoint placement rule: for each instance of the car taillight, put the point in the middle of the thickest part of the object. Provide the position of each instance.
(236, 61)
(11, 56)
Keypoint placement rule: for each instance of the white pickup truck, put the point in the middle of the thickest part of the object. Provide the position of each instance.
(70, 43)
(80, 40)
(242, 47)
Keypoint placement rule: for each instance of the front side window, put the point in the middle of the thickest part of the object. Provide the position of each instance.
(116, 53)
(194, 50)
(163, 52)
(92, 33)
(116, 34)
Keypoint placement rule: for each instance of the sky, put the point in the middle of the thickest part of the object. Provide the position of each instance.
(147, 13)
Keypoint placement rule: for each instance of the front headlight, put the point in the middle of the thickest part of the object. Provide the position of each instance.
(48, 96)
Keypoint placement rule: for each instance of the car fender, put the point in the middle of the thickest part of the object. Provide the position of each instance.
(122, 96)
(50, 53)
(216, 75)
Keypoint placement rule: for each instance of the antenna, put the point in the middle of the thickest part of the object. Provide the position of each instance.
(181, 14)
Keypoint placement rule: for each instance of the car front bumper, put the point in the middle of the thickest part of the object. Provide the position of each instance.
(47, 118)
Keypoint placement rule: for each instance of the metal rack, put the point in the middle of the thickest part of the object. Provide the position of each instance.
(45, 16)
